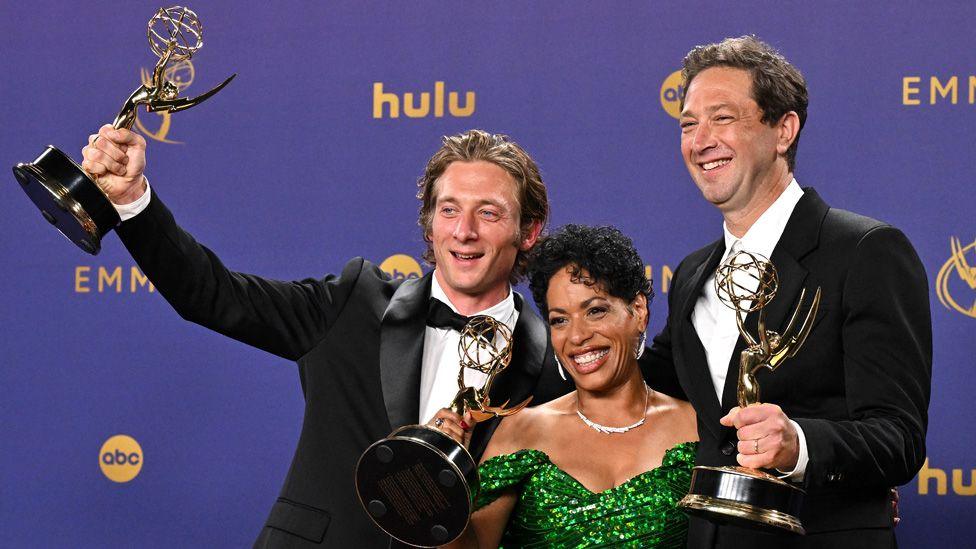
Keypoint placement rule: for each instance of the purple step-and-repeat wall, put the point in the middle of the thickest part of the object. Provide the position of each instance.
(310, 157)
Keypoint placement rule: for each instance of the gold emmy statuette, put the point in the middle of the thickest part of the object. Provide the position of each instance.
(68, 197)
(747, 282)
(418, 484)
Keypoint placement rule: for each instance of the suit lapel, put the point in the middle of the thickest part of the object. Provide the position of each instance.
(401, 350)
(518, 381)
(800, 237)
(701, 391)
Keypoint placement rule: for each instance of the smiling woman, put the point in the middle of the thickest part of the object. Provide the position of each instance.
(591, 284)
(607, 463)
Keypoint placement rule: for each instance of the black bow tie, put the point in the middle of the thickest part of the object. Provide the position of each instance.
(439, 315)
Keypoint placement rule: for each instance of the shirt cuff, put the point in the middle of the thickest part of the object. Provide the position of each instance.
(802, 459)
(132, 209)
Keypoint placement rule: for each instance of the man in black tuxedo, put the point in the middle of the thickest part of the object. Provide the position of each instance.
(846, 417)
(370, 356)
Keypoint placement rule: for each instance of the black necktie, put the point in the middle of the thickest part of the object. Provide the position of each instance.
(439, 315)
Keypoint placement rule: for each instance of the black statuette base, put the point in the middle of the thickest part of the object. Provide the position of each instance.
(68, 198)
(416, 485)
(744, 497)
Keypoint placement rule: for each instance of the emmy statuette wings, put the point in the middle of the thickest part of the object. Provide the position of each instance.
(68, 197)
(751, 498)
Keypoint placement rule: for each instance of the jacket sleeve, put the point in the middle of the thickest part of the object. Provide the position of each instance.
(887, 347)
(283, 318)
(657, 363)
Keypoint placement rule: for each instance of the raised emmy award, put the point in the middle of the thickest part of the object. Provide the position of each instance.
(747, 282)
(418, 484)
(71, 199)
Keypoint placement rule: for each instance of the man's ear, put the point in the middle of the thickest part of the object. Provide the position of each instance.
(530, 236)
(789, 128)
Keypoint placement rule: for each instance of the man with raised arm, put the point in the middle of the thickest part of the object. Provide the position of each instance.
(373, 353)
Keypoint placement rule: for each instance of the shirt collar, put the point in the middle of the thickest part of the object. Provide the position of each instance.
(765, 232)
(501, 311)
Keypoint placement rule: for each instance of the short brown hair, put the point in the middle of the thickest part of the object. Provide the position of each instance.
(475, 145)
(777, 86)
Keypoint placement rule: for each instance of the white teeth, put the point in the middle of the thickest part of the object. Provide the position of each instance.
(712, 165)
(589, 358)
(466, 256)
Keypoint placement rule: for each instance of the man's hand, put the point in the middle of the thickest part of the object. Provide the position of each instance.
(116, 160)
(767, 439)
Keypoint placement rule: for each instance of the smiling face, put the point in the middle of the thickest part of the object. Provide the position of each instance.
(594, 333)
(734, 158)
(475, 233)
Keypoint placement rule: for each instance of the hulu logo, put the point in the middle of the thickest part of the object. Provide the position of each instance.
(419, 105)
(928, 475)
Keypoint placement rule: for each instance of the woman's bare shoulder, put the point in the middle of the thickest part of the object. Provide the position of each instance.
(679, 414)
(527, 428)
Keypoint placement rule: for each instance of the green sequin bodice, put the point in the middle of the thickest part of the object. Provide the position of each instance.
(555, 510)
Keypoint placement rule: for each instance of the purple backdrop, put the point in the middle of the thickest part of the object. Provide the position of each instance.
(288, 172)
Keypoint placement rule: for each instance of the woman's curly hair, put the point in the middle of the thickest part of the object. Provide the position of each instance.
(600, 256)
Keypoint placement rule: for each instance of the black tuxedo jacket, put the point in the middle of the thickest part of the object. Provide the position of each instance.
(357, 338)
(859, 387)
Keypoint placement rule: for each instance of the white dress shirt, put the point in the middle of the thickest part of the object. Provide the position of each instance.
(715, 322)
(132, 209)
(441, 360)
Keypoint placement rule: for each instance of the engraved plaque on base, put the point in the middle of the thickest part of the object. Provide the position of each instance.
(417, 484)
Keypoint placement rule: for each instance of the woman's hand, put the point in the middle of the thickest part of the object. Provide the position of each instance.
(453, 425)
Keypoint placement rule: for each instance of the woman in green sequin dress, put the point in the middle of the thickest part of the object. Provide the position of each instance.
(603, 466)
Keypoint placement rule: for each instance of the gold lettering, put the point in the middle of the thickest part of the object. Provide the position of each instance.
(936, 87)
(457, 110)
(136, 278)
(414, 107)
(906, 90)
(380, 99)
(438, 99)
(926, 474)
(957, 485)
(666, 275)
(972, 90)
(416, 112)
(81, 278)
(106, 279)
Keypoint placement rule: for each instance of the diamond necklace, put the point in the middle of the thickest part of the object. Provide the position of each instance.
(610, 430)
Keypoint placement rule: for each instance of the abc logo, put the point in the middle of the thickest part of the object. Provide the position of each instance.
(401, 267)
(120, 458)
(671, 91)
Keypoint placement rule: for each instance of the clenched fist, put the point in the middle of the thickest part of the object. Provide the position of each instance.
(116, 160)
